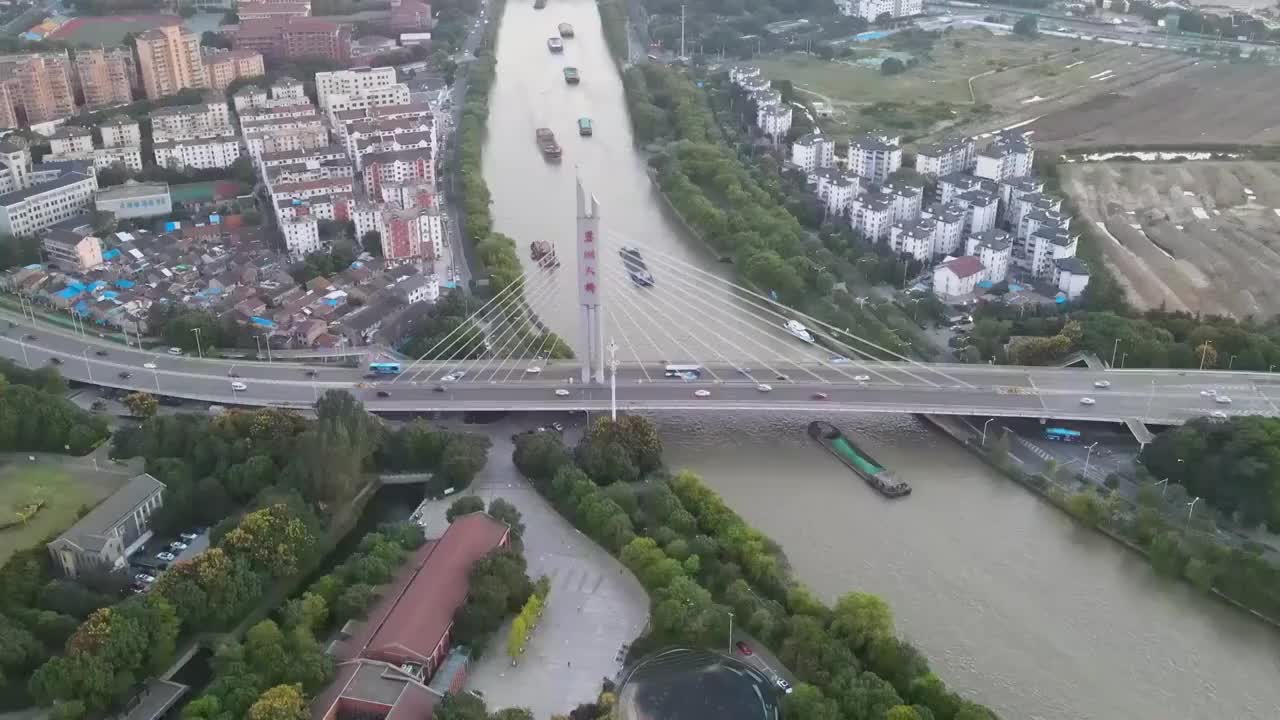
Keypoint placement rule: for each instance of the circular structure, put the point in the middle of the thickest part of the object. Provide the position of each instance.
(697, 685)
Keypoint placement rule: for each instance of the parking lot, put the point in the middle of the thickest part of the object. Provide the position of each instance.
(146, 560)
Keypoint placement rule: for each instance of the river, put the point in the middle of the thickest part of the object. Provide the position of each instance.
(1014, 605)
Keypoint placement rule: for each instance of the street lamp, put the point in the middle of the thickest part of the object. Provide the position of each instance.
(1087, 457)
(1123, 356)
(1231, 362)
(1191, 507)
(87, 367)
(730, 632)
(1114, 347)
(199, 349)
(1204, 352)
(613, 383)
(1165, 486)
(984, 431)
(22, 341)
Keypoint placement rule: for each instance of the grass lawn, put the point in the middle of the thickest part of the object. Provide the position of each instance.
(64, 493)
(942, 77)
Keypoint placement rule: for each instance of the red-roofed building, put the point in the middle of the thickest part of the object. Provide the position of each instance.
(386, 663)
(957, 277)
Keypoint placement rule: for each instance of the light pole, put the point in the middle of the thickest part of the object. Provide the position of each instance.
(257, 341)
(1231, 363)
(1087, 457)
(730, 632)
(613, 383)
(1270, 368)
(1164, 486)
(156, 375)
(199, 350)
(984, 431)
(1204, 352)
(1151, 396)
(22, 341)
(87, 367)
(1114, 347)
(1123, 356)
(1191, 507)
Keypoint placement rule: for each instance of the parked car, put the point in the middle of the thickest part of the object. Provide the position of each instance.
(743, 648)
(189, 536)
(384, 394)
(175, 351)
(166, 556)
(126, 375)
(55, 361)
(177, 546)
(145, 578)
(100, 353)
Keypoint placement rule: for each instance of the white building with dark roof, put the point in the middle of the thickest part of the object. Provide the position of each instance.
(813, 151)
(1072, 276)
(199, 154)
(950, 223)
(103, 539)
(44, 204)
(952, 155)
(874, 156)
(994, 249)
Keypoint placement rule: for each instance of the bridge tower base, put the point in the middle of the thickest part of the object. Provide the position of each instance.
(591, 327)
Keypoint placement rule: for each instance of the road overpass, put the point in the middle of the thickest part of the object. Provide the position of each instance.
(1158, 397)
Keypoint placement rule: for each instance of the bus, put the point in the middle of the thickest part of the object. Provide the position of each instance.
(688, 372)
(1062, 435)
(384, 368)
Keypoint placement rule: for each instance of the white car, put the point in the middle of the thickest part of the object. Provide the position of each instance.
(145, 578)
(534, 370)
(1102, 384)
(188, 536)
(561, 392)
(177, 546)
(1208, 393)
(175, 351)
(764, 388)
(862, 378)
(1087, 401)
(1219, 415)
(1222, 399)
(784, 686)
(149, 366)
(166, 556)
(239, 386)
(702, 393)
(449, 378)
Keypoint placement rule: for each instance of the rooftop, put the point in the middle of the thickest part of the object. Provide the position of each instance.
(90, 532)
(64, 180)
(963, 267)
(1073, 265)
(70, 131)
(132, 189)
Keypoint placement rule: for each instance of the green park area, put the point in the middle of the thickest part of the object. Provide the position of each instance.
(49, 498)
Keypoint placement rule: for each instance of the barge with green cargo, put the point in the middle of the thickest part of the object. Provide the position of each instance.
(857, 460)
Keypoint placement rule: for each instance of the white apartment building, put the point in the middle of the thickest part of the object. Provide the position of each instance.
(408, 234)
(1008, 156)
(777, 122)
(398, 167)
(15, 166)
(187, 122)
(1037, 219)
(952, 155)
(982, 209)
(950, 222)
(76, 143)
(32, 209)
(71, 140)
(1073, 276)
(957, 277)
(201, 154)
(949, 186)
(871, 10)
(1014, 188)
(353, 82)
(326, 154)
(121, 132)
(739, 74)
(72, 250)
(874, 157)
(418, 288)
(872, 216)
(813, 151)
(285, 91)
(1037, 254)
(914, 238)
(994, 249)
(368, 136)
(836, 189)
(1020, 206)
(102, 158)
(301, 235)
(284, 134)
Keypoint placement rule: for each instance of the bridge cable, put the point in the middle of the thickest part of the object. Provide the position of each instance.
(629, 300)
(832, 331)
(537, 356)
(656, 348)
(710, 296)
(516, 319)
(517, 328)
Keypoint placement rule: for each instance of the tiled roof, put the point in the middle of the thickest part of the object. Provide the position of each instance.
(964, 267)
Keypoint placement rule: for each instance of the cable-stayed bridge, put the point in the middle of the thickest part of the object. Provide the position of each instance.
(653, 332)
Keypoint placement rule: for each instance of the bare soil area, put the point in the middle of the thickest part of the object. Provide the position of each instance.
(1196, 236)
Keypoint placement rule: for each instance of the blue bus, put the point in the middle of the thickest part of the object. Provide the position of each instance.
(384, 368)
(1062, 435)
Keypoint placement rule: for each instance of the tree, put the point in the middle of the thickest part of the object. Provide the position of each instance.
(1027, 26)
(507, 513)
(892, 66)
(539, 455)
(808, 702)
(282, 702)
(861, 619)
(464, 506)
(460, 706)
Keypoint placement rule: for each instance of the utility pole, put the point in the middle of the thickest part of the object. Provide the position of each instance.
(682, 32)
(613, 384)
(199, 350)
(1087, 457)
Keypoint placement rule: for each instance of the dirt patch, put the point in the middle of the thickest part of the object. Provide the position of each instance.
(1196, 236)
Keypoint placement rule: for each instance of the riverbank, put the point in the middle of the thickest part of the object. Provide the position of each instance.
(1080, 511)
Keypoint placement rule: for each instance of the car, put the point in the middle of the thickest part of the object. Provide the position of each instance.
(820, 396)
(1102, 384)
(149, 366)
(743, 648)
(310, 373)
(177, 546)
(232, 373)
(101, 353)
(370, 376)
(1218, 415)
(782, 378)
(137, 589)
(449, 378)
(144, 578)
(29, 337)
(784, 686)
(175, 351)
(764, 388)
(438, 388)
(189, 536)
(1208, 393)
(557, 427)
(744, 370)
(239, 386)
(166, 556)
(839, 359)
(55, 361)
(125, 375)
(533, 370)
(702, 393)
(1222, 399)
(862, 378)
(384, 394)
(561, 392)
(1087, 401)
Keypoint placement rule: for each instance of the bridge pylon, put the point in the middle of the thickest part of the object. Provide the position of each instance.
(591, 325)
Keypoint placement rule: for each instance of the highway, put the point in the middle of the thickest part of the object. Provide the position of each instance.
(1155, 396)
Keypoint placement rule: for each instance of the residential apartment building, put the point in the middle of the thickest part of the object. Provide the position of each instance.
(1073, 276)
(957, 277)
(949, 224)
(872, 216)
(295, 38)
(353, 82)
(103, 539)
(15, 165)
(70, 140)
(366, 137)
(874, 157)
(71, 250)
(994, 249)
(223, 67)
(952, 155)
(777, 122)
(43, 204)
(135, 200)
(418, 288)
(121, 131)
(285, 91)
(915, 238)
(198, 154)
(1037, 253)
(951, 185)
(1009, 155)
(740, 74)
(38, 86)
(813, 151)
(981, 210)
(169, 61)
(397, 167)
(106, 77)
(1022, 205)
(872, 10)
(836, 189)
(301, 235)
(210, 119)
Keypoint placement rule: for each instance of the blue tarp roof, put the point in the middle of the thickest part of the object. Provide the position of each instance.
(1013, 287)
(261, 321)
(124, 284)
(97, 285)
(331, 302)
(111, 254)
(67, 293)
(110, 295)
(82, 308)
(33, 266)
(986, 284)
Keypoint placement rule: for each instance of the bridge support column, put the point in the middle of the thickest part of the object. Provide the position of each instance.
(591, 328)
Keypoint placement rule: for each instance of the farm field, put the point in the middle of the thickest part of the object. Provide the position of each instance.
(95, 31)
(64, 491)
(1200, 236)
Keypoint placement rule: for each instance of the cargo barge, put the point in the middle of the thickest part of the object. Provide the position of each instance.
(539, 4)
(875, 474)
(571, 75)
(547, 143)
(635, 266)
(584, 126)
(555, 45)
(566, 30)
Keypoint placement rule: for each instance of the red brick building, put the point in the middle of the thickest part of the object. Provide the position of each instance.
(385, 666)
(294, 38)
